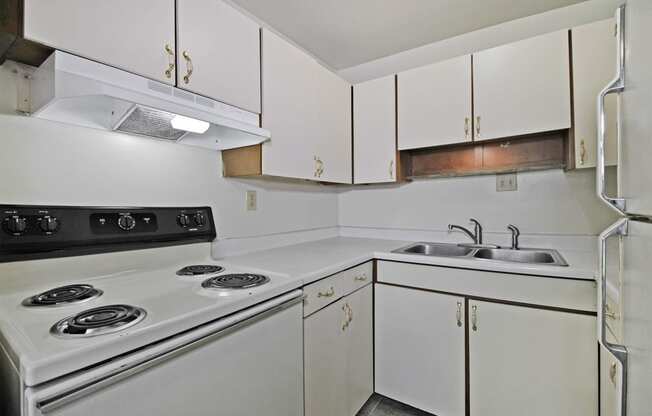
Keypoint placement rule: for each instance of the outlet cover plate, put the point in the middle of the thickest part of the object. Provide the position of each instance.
(506, 182)
(251, 201)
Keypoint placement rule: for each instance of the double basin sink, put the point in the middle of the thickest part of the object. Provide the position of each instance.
(524, 255)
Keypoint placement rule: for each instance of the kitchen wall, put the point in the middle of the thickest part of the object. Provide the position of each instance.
(548, 204)
(43, 162)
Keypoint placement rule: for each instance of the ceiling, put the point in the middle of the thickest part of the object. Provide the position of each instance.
(345, 33)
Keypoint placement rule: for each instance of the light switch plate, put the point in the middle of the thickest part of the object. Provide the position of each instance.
(252, 203)
(506, 182)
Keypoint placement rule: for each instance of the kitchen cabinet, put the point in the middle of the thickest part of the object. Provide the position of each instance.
(525, 358)
(434, 104)
(337, 356)
(138, 37)
(594, 66)
(419, 342)
(308, 110)
(522, 88)
(374, 131)
(219, 53)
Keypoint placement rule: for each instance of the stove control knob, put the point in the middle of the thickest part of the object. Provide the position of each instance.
(126, 222)
(200, 219)
(16, 224)
(183, 220)
(49, 224)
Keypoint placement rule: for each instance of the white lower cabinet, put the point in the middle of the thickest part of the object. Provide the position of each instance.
(419, 342)
(338, 356)
(531, 361)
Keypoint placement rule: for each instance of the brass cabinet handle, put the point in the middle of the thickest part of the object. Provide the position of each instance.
(466, 127)
(477, 126)
(391, 169)
(474, 318)
(171, 63)
(189, 67)
(582, 152)
(361, 278)
(348, 315)
(459, 314)
(330, 292)
(612, 372)
(319, 167)
(609, 313)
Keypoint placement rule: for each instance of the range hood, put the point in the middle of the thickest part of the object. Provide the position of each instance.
(74, 90)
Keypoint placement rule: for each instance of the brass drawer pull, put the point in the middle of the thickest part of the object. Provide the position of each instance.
(189, 67)
(361, 278)
(459, 314)
(329, 293)
(474, 318)
(171, 63)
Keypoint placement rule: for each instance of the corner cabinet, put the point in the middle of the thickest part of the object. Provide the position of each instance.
(138, 36)
(594, 66)
(540, 360)
(419, 342)
(374, 131)
(308, 110)
(434, 104)
(523, 87)
(219, 53)
(338, 345)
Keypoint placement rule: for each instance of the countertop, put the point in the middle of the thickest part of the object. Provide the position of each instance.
(309, 262)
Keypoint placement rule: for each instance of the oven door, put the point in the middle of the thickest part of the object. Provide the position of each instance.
(250, 363)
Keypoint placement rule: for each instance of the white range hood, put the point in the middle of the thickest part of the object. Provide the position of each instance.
(74, 90)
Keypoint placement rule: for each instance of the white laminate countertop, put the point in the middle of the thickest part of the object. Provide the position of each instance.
(309, 262)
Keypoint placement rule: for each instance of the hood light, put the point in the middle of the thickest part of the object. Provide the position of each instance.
(189, 124)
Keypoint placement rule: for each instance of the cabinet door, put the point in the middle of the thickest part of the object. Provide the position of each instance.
(288, 109)
(222, 46)
(332, 130)
(522, 88)
(374, 131)
(594, 66)
(533, 361)
(359, 349)
(419, 341)
(434, 104)
(131, 35)
(325, 361)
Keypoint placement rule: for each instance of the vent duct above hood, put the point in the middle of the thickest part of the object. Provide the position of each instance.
(78, 91)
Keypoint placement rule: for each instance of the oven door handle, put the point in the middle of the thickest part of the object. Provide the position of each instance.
(257, 313)
(618, 351)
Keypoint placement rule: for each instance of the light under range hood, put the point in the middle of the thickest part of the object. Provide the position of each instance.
(74, 90)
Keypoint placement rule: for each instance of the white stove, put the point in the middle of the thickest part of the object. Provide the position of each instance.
(64, 320)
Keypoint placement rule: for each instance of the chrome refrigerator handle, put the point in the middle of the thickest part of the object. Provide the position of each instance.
(618, 351)
(615, 86)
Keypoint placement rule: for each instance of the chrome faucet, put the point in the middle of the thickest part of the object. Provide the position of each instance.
(476, 235)
(515, 234)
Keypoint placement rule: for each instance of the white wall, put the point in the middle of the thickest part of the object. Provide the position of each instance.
(42, 162)
(550, 202)
(557, 19)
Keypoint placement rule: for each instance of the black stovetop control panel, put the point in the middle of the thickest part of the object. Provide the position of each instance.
(29, 231)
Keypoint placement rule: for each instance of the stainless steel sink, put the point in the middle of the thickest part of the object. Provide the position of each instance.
(436, 249)
(532, 256)
(524, 255)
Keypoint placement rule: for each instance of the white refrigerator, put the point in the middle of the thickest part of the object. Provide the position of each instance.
(625, 324)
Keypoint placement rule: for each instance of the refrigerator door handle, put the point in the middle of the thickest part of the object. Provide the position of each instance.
(618, 351)
(615, 86)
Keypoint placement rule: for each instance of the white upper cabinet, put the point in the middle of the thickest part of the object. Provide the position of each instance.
(522, 88)
(219, 53)
(308, 110)
(137, 36)
(434, 104)
(594, 66)
(374, 131)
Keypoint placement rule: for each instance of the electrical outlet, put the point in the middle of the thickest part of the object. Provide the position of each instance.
(506, 182)
(251, 201)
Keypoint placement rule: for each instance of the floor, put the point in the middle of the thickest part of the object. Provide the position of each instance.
(378, 405)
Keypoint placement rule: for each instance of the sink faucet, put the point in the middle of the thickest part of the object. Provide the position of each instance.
(515, 234)
(476, 235)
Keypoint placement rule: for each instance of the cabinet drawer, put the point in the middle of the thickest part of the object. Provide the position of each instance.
(332, 288)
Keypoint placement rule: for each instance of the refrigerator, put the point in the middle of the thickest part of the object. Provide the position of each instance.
(625, 323)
